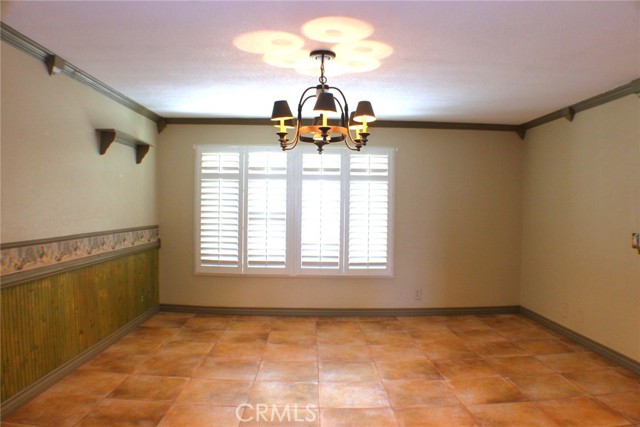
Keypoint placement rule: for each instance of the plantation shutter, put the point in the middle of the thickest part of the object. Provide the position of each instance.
(266, 210)
(320, 231)
(368, 212)
(219, 220)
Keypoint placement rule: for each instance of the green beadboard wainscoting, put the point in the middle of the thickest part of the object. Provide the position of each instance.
(49, 321)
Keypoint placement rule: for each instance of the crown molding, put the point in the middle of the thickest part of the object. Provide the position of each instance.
(57, 65)
(379, 123)
(570, 111)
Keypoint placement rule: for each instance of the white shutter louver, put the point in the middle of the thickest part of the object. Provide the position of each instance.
(320, 216)
(219, 210)
(368, 212)
(267, 210)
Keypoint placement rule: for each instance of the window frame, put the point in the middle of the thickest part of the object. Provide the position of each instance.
(294, 178)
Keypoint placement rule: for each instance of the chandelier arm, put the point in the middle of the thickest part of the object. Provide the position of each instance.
(356, 145)
(345, 112)
(301, 103)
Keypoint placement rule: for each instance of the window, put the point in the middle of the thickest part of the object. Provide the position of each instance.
(263, 211)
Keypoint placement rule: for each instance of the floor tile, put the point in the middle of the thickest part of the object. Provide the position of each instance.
(113, 361)
(344, 353)
(518, 365)
(603, 381)
(191, 370)
(480, 335)
(147, 387)
(435, 416)
(54, 409)
(570, 362)
(348, 371)
(408, 370)
(627, 404)
(382, 325)
(505, 322)
(288, 371)
(208, 323)
(290, 352)
(390, 352)
(404, 393)
(274, 416)
(465, 368)
(545, 346)
(184, 415)
(581, 412)
(292, 337)
(389, 338)
(369, 417)
(201, 335)
(353, 395)
(282, 393)
(526, 333)
(238, 351)
(522, 414)
(88, 383)
(341, 337)
(428, 336)
(125, 413)
(168, 320)
(244, 337)
(8, 424)
(215, 392)
(170, 365)
(337, 325)
(498, 349)
(152, 333)
(446, 350)
(479, 391)
(251, 324)
(185, 348)
(293, 324)
(227, 369)
(546, 386)
(137, 346)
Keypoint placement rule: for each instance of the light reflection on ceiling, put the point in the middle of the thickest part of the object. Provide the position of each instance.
(347, 37)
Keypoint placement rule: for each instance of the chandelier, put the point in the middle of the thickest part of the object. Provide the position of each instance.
(321, 131)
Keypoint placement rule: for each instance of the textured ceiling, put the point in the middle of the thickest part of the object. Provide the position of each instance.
(484, 62)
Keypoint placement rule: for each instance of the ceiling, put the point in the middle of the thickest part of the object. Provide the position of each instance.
(481, 62)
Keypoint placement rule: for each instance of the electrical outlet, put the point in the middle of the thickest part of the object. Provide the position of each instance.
(418, 294)
(141, 298)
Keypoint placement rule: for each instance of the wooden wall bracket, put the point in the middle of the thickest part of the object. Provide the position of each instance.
(109, 136)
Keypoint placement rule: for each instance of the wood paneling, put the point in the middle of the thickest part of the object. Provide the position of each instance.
(49, 321)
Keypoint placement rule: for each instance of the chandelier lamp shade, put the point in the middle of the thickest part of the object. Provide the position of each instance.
(352, 129)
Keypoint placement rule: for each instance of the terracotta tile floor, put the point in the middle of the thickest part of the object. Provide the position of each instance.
(215, 371)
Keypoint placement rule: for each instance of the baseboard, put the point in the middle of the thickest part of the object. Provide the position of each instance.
(339, 312)
(602, 350)
(21, 398)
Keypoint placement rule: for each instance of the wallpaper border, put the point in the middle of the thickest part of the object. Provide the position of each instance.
(24, 261)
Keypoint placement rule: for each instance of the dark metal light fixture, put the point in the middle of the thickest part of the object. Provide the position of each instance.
(321, 131)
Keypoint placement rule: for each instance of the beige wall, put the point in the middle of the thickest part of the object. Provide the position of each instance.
(581, 204)
(54, 182)
(457, 228)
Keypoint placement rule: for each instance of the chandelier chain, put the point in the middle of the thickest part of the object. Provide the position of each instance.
(322, 79)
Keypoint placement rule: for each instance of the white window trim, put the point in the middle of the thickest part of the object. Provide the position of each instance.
(294, 190)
